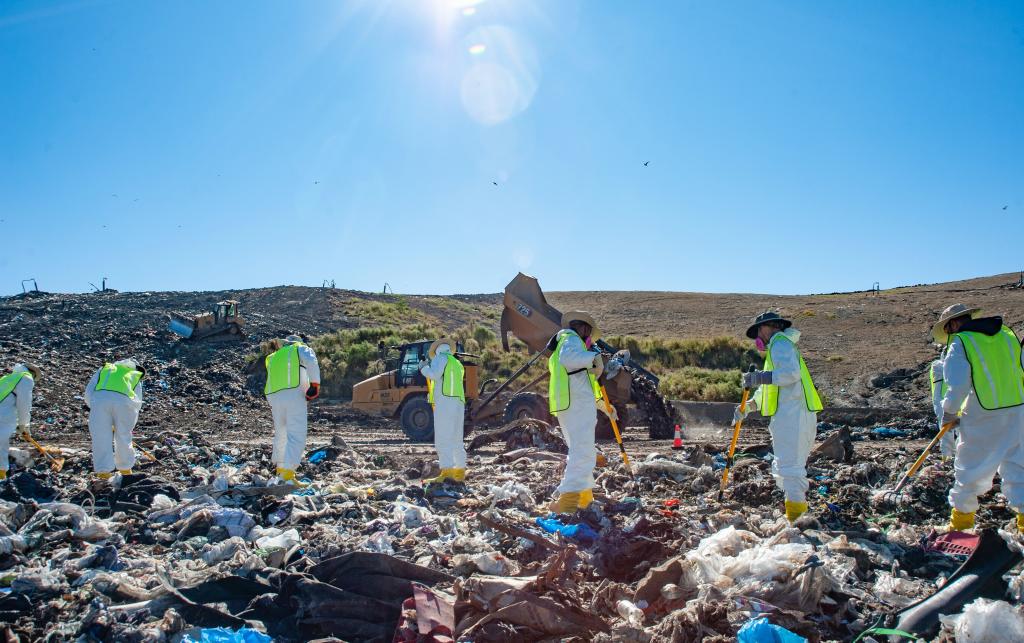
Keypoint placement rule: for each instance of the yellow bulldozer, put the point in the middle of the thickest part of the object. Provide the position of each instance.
(401, 391)
(222, 323)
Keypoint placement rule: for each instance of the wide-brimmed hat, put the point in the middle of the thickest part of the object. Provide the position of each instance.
(956, 310)
(582, 316)
(432, 352)
(293, 339)
(764, 318)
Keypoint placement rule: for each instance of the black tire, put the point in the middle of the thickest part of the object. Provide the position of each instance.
(603, 430)
(527, 405)
(417, 419)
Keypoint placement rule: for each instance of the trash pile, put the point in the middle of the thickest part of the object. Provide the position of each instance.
(202, 542)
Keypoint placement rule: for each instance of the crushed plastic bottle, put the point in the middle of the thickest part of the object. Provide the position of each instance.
(630, 612)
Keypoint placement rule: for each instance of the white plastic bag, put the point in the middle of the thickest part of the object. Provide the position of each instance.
(985, 620)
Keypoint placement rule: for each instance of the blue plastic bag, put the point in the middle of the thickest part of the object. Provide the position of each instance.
(888, 432)
(224, 635)
(762, 631)
(318, 456)
(582, 531)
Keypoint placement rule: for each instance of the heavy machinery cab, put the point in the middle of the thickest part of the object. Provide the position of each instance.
(406, 365)
(226, 311)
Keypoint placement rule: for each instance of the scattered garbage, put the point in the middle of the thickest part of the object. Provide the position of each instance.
(202, 544)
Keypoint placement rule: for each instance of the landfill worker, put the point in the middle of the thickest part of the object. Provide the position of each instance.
(573, 392)
(786, 394)
(114, 398)
(15, 408)
(947, 444)
(293, 380)
(447, 394)
(985, 395)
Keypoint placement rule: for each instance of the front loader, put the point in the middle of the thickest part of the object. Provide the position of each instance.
(401, 392)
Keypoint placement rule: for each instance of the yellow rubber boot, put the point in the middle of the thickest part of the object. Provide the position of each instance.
(959, 520)
(104, 475)
(3, 474)
(446, 474)
(567, 503)
(795, 509)
(586, 497)
(1020, 521)
(288, 475)
(458, 475)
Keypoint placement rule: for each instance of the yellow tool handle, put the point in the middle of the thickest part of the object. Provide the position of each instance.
(40, 447)
(735, 440)
(144, 452)
(924, 455)
(615, 428)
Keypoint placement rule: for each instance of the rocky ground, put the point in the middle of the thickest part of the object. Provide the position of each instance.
(200, 537)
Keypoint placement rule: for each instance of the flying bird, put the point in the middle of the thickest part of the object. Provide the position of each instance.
(316, 182)
(1004, 207)
(645, 163)
(494, 182)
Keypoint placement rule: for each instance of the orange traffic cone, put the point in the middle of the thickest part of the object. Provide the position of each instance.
(677, 440)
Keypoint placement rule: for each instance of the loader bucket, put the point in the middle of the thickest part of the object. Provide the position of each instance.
(528, 315)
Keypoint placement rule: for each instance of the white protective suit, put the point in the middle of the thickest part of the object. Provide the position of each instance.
(793, 427)
(947, 445)
(289, 408)
(15, 411)
(579, 421)
(112, 418)
(989, 441)
(449, 415)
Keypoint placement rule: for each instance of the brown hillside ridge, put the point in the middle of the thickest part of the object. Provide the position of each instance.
(849, 339)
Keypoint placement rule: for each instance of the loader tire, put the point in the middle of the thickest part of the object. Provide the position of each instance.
(527, 405)
(603, 430)
(417, 419)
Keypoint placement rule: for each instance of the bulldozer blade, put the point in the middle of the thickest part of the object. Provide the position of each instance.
(180, 328)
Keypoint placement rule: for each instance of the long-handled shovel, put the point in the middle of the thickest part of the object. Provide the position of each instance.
(55, 463)
(615, 429)
(144, 452)
(917, 465)
(735, 439)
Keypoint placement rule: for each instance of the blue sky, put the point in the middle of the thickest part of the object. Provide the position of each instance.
(793, 147)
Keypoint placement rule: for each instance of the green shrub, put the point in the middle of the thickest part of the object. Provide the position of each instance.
(659, 354)
(702, 384)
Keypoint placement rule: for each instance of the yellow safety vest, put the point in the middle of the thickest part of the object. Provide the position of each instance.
(558, 385)
(937, 382)
(283, 369)
(9, 382)
(451, 381)
(770, 392)
(996, 372)
(119, 379)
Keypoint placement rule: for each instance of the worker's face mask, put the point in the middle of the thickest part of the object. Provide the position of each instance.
(761, 346)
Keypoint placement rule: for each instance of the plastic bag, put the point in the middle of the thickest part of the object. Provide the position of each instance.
(985, 620)
(582, 531)
(284, 540)
(762, 631)
(224, 635)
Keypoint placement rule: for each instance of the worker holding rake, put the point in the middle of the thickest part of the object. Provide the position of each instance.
(573, 392)
(984, 379)
(15, 408)
(787, 395)
(114, 398)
